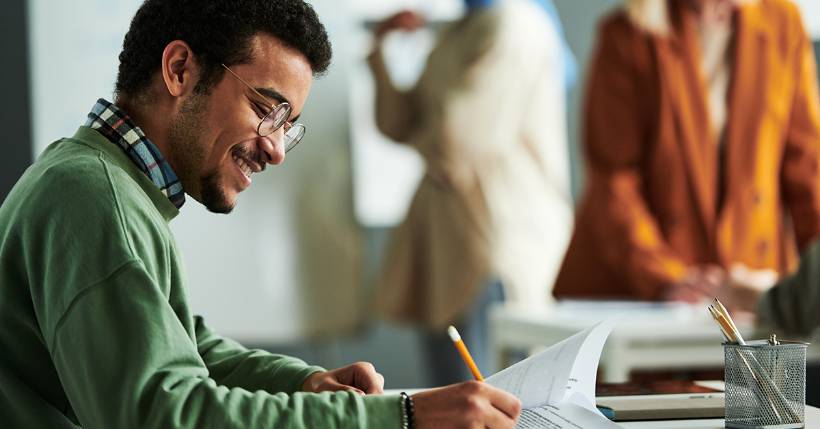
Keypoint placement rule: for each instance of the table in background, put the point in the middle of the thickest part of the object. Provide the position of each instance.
(647, 336)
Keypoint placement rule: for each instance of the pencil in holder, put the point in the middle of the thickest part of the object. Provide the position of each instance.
(765, 385)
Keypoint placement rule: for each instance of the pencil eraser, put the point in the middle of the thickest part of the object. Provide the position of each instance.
(451, 330)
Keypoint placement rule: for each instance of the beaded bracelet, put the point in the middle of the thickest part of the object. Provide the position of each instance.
(408, 418)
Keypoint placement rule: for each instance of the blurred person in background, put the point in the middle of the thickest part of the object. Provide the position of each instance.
(702, 147)
(790, 306)
(491, 217)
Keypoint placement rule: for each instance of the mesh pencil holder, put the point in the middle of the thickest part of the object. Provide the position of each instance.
(765, 385)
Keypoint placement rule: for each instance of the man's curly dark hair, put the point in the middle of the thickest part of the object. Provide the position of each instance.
(218, 32)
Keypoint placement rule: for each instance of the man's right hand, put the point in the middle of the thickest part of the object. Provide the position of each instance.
(700, 283)
(745, 286)
(471, 404)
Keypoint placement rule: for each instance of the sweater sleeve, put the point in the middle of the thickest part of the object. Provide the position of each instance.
(230, 364)
(617, 122)
(125, 360)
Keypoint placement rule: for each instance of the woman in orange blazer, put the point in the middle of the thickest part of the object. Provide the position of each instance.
(695, 160)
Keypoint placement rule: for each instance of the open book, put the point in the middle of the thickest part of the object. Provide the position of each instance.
(557, 386)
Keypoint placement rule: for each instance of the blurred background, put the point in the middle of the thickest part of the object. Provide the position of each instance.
(307, 239)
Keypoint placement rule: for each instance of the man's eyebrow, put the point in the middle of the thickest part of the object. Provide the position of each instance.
(274, 94)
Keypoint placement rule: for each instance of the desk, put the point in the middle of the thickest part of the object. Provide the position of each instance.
(812, 422)
(647, 336)
(812, 418)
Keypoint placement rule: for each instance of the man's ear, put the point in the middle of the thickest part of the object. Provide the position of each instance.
(179, 69)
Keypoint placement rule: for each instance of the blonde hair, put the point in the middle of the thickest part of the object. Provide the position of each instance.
(652, 16)
(649, 15)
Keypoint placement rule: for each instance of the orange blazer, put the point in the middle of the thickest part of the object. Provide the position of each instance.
(655, 201)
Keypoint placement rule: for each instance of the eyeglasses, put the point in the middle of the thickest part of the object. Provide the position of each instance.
(275, 116)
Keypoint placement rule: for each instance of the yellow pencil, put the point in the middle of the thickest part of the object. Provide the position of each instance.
(465, 354)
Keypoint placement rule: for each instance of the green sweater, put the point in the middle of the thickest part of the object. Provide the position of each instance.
(95, 329)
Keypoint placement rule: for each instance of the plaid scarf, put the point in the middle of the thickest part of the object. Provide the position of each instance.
(117, 127)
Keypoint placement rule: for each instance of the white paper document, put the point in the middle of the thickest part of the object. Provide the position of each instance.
(557, 386)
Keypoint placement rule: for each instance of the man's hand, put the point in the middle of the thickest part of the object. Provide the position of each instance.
(700, 283)
(471, 404)
(360, 377)
(406, 20)
(745, 286)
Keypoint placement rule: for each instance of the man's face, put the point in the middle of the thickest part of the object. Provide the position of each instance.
(213, 139)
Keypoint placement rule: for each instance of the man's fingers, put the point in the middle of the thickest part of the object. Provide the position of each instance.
(350, 389)
(335, 386)
(364, 376)
(496, 419)
(506, 403)
(498, 410)
(355, 390)
(376, 386)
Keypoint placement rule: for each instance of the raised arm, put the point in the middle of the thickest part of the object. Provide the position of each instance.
(397, 111)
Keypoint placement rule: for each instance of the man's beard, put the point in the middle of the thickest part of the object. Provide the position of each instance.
(186, 144)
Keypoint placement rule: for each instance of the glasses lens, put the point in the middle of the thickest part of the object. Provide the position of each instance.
(294, 136)
(275, 119)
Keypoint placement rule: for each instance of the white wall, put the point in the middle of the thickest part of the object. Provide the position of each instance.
(811, 14)
(73, 58)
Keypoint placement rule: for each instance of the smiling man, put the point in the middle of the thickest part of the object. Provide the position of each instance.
(95, 327)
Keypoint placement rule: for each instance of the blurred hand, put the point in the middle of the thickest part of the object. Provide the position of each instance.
(744, 286)
(405, 20)
(699, 283)
(471, 404)
(360, 377)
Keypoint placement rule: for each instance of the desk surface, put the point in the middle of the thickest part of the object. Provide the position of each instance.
(812, 418)
(812, 421)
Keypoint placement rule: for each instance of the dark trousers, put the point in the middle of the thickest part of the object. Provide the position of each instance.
(446, 365)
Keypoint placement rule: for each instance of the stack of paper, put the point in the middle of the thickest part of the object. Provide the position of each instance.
(557, 386)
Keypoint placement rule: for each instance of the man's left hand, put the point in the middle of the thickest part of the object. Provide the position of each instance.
(360, 377)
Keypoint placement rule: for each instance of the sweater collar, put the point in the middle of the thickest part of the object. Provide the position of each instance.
(118, 157)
